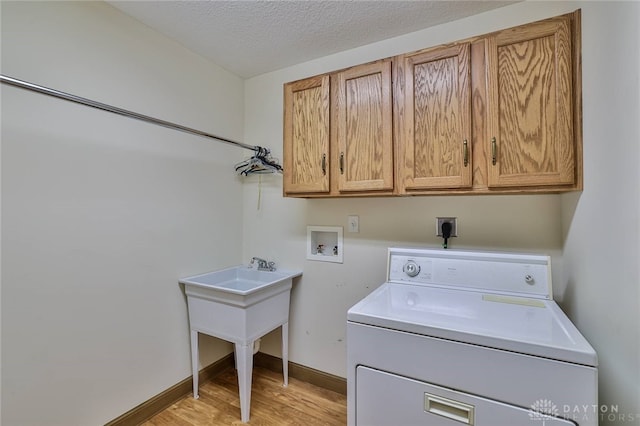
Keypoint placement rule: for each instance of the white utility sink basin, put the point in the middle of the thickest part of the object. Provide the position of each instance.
(240, 285)
(240, 305)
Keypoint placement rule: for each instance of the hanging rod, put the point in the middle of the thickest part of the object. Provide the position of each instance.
(105, 107)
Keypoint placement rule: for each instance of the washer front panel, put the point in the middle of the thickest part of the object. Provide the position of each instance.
(419, 403)
(504, 376)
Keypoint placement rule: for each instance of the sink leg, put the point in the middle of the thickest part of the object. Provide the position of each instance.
(244, 362)
(194, 362)
(285, 353)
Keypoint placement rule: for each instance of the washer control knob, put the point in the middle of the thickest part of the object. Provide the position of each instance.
(529, 279)
(411, 268)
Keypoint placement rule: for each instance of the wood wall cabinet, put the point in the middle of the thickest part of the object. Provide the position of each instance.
(498, 113)
(435, 127)
(338, 133)
(530, 105)
(364, 128)
(306, 136)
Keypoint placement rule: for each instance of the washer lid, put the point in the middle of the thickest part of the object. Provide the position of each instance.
(525, 325)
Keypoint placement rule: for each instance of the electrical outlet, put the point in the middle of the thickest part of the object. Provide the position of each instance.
(454, 225)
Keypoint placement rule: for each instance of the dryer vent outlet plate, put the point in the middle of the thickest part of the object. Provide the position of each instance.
(454, 225)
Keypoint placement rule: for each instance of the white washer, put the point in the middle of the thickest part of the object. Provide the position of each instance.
(461, 337)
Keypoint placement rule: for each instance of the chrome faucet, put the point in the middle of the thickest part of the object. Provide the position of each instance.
(263, 265)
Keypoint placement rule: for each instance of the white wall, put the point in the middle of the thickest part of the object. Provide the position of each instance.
(602, 225)
(525, 223)
(102, 214)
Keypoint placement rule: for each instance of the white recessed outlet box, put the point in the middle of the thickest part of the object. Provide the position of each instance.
(454, 225)
(324, 243)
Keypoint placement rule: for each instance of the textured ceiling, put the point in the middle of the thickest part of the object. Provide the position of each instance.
(250, 38)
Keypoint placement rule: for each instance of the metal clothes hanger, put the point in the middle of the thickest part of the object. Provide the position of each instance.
(260, 163)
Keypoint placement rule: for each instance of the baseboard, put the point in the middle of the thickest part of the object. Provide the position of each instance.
(300, 372)
(163, 400)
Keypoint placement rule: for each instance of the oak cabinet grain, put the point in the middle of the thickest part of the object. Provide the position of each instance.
(306, 136)
(338, 133)
(530, 105)
(435, 131)
(498, 113)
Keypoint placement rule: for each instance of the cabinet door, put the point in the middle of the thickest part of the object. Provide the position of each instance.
(436, 127)
(306, 136)
(530, 100)
(364, 136)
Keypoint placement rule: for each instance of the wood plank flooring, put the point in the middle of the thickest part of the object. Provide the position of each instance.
(300, 403)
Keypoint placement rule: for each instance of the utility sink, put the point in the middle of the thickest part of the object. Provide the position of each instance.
(240, 305)
(240, 285)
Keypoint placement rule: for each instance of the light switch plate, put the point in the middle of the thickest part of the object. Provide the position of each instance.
(353, 224)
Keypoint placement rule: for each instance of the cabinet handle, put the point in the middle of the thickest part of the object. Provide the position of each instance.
(445, 407)
(342, 163)
(493, 151)
(324, 164)
(465, 148)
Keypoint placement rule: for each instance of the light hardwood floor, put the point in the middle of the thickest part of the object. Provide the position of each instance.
(271, 404)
